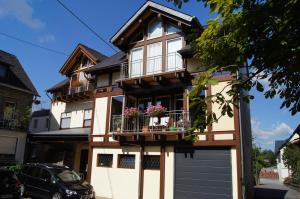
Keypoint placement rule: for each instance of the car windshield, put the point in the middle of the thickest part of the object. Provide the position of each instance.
(67, 175)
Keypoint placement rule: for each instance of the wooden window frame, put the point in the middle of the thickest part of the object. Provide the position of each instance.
(61, 118)
(87, 119)
(145, 159)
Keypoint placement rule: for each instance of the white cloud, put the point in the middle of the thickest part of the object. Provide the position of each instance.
(21, 10)
(278, 129)
(46, 38)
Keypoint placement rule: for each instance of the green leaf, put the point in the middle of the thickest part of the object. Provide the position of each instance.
(259, 87)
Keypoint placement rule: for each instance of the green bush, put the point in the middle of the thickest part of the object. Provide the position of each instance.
(15, 168)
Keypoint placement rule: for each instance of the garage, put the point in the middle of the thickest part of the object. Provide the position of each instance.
(203, 173)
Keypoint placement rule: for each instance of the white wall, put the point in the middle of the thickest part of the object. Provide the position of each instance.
(15, 138)
(100, 116)
(116, 183)
(41, 124)
(225, 123)
(76, 109)
(169, 172)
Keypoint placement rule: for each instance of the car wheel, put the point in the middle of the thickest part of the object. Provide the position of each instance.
(57, 196)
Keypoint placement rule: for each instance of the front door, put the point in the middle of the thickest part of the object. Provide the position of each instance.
(151, 169)
(83, 162)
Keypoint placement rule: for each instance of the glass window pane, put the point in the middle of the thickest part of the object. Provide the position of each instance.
(174, 60)
(116, 109)
(65, 123)
(87, 123)
(172, 29)
(126, 161)
(151, 162)
(163, 101)
(154, 58)
(115, 77)
(104, 160)
(136, 62)
(88, 114)
(155, 29)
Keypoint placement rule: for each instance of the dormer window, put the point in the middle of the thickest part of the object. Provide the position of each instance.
(172, 29)
(155, 29)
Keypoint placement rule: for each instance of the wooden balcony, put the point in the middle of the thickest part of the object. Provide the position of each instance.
(152, 72)
(76, 93)
(171, 125)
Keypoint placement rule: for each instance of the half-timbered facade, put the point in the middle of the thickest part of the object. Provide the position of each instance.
(141, 115)
(66, 141)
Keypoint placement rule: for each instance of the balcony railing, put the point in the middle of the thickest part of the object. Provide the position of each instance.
(78, 89)
(170, 121)
(8, 123)
(153, 66)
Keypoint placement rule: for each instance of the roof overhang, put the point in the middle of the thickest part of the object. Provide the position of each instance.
(80, 49)
(75, 134)
(156, 8)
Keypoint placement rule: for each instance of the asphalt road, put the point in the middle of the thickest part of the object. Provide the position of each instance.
(274, 189)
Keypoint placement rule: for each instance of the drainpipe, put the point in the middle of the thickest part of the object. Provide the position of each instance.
(141, 173)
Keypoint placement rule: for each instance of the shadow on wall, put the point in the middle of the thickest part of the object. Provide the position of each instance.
(263, 193)
(54, 124)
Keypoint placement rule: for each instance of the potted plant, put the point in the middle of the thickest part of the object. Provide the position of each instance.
(155, 111)
(131, 112)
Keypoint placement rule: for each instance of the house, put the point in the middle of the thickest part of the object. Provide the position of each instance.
(66, 141)
(136, 154)
(40, 121)
(17, 94)
(280, 145)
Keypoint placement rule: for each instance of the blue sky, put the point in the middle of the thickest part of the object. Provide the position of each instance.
(48, 24)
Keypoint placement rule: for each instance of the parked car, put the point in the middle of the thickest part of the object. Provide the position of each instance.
(55, 182)
(10, 186)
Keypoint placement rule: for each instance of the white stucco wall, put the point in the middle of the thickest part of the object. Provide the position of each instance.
(225, 123)
(76, 109)
(100, 116)
(41, 124)
(169, 172)
(114, 182)
(16, 141)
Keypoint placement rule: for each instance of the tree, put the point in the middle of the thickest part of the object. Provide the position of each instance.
(258, 161)
(262, 35)
(291, 159)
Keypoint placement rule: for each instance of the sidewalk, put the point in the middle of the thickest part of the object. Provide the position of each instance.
(274, 189)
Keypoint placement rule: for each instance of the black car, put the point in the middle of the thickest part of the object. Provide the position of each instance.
(55, 182)
(10, 186)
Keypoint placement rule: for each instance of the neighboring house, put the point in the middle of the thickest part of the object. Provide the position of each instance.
(67, 140)
(280, 145)
(17, 94)
(145, 155)
(39, 121)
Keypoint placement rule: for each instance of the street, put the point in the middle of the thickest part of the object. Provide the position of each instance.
(274, 189)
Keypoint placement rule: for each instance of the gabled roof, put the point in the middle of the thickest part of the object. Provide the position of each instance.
(92, 54)
(40, 113)
(296, 131)
(58, 85)
(16, 68)
(108, 63)
(156, 6)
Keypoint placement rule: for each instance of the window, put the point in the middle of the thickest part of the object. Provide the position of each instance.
(85, 62)
(154, 58)
(103, 80)
(174, 60)
(126, 161)
(65, 120)
(151, 161)
(47, 123)
(9, 110)
(116, 112)
(179, 102)
(87, 120)
(114, 77)
(3, 71)
(196, 111)
(136, 66)
(144, 103)
(104, 160)
(82, 77)
(155, 29)
(35, 123)
(163, 101)
(172, 29)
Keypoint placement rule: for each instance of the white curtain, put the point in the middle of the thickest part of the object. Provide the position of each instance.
(154, 55)
(136, 62)
(174, 60)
